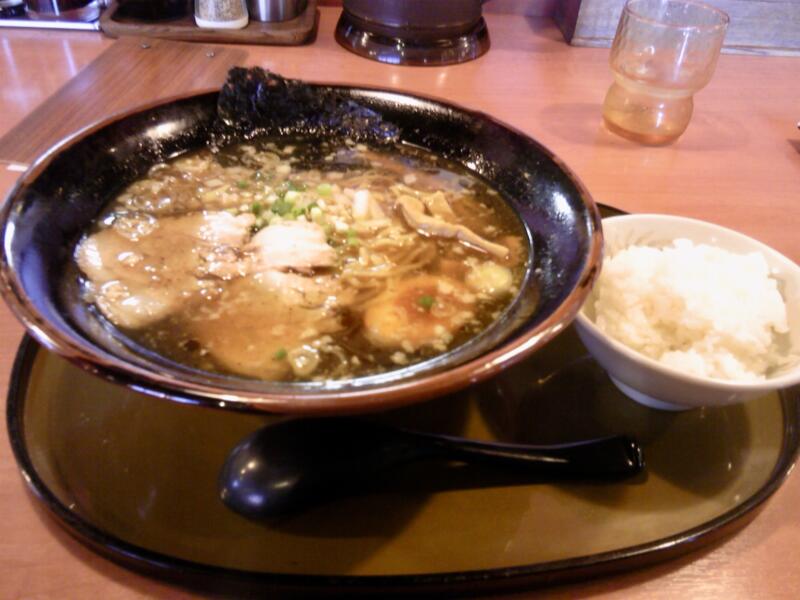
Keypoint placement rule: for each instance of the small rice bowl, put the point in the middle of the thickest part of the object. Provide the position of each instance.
(695, 307)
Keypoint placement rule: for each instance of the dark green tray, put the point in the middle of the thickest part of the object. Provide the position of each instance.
(135, 478)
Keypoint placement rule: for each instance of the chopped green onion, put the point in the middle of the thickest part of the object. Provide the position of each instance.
(304, 210)
(280, 354)
(324, 189)
(256, 208)
(242, 185)
(282, 207)
(426, 301)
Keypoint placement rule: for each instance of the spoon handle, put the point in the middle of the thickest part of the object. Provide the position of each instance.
(615, 456)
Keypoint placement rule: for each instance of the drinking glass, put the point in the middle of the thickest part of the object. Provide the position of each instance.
(664, 51)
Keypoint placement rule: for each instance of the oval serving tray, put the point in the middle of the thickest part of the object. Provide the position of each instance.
(134, 477)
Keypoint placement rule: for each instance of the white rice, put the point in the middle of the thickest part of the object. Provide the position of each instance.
(697, 308)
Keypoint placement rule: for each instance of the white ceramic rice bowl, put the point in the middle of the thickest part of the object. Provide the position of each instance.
(651, 383)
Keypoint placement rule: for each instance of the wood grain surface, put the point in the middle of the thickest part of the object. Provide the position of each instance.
(35, 64)
(737, 165)
(130, 72)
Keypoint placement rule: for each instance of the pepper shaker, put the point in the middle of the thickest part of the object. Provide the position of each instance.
(220, 14)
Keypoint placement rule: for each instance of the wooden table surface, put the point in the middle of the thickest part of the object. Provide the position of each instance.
(737, 165)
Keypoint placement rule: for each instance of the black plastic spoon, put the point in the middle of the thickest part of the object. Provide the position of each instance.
(294, 464)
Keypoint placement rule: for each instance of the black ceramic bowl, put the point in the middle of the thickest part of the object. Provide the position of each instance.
(60, 195)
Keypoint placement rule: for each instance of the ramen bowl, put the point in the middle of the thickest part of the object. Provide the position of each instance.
(58, 198)
(667, 387)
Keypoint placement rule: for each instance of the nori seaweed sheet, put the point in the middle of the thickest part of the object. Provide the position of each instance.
(254, 103)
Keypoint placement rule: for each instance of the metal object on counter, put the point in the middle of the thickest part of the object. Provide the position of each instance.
(414, 32)
(26, 23)
(63, 10)
(275, 10)
(10, 9)
(51, 14)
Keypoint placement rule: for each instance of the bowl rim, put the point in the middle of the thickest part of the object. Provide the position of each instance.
(393, 394)
(784, 380)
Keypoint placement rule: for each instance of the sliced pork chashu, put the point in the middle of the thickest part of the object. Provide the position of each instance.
(295, 245)
(142, 269)
(263, 325)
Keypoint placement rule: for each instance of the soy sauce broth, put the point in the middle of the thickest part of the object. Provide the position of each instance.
(291, 261)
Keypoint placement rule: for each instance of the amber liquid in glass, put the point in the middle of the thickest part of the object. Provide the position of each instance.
(644, 113)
